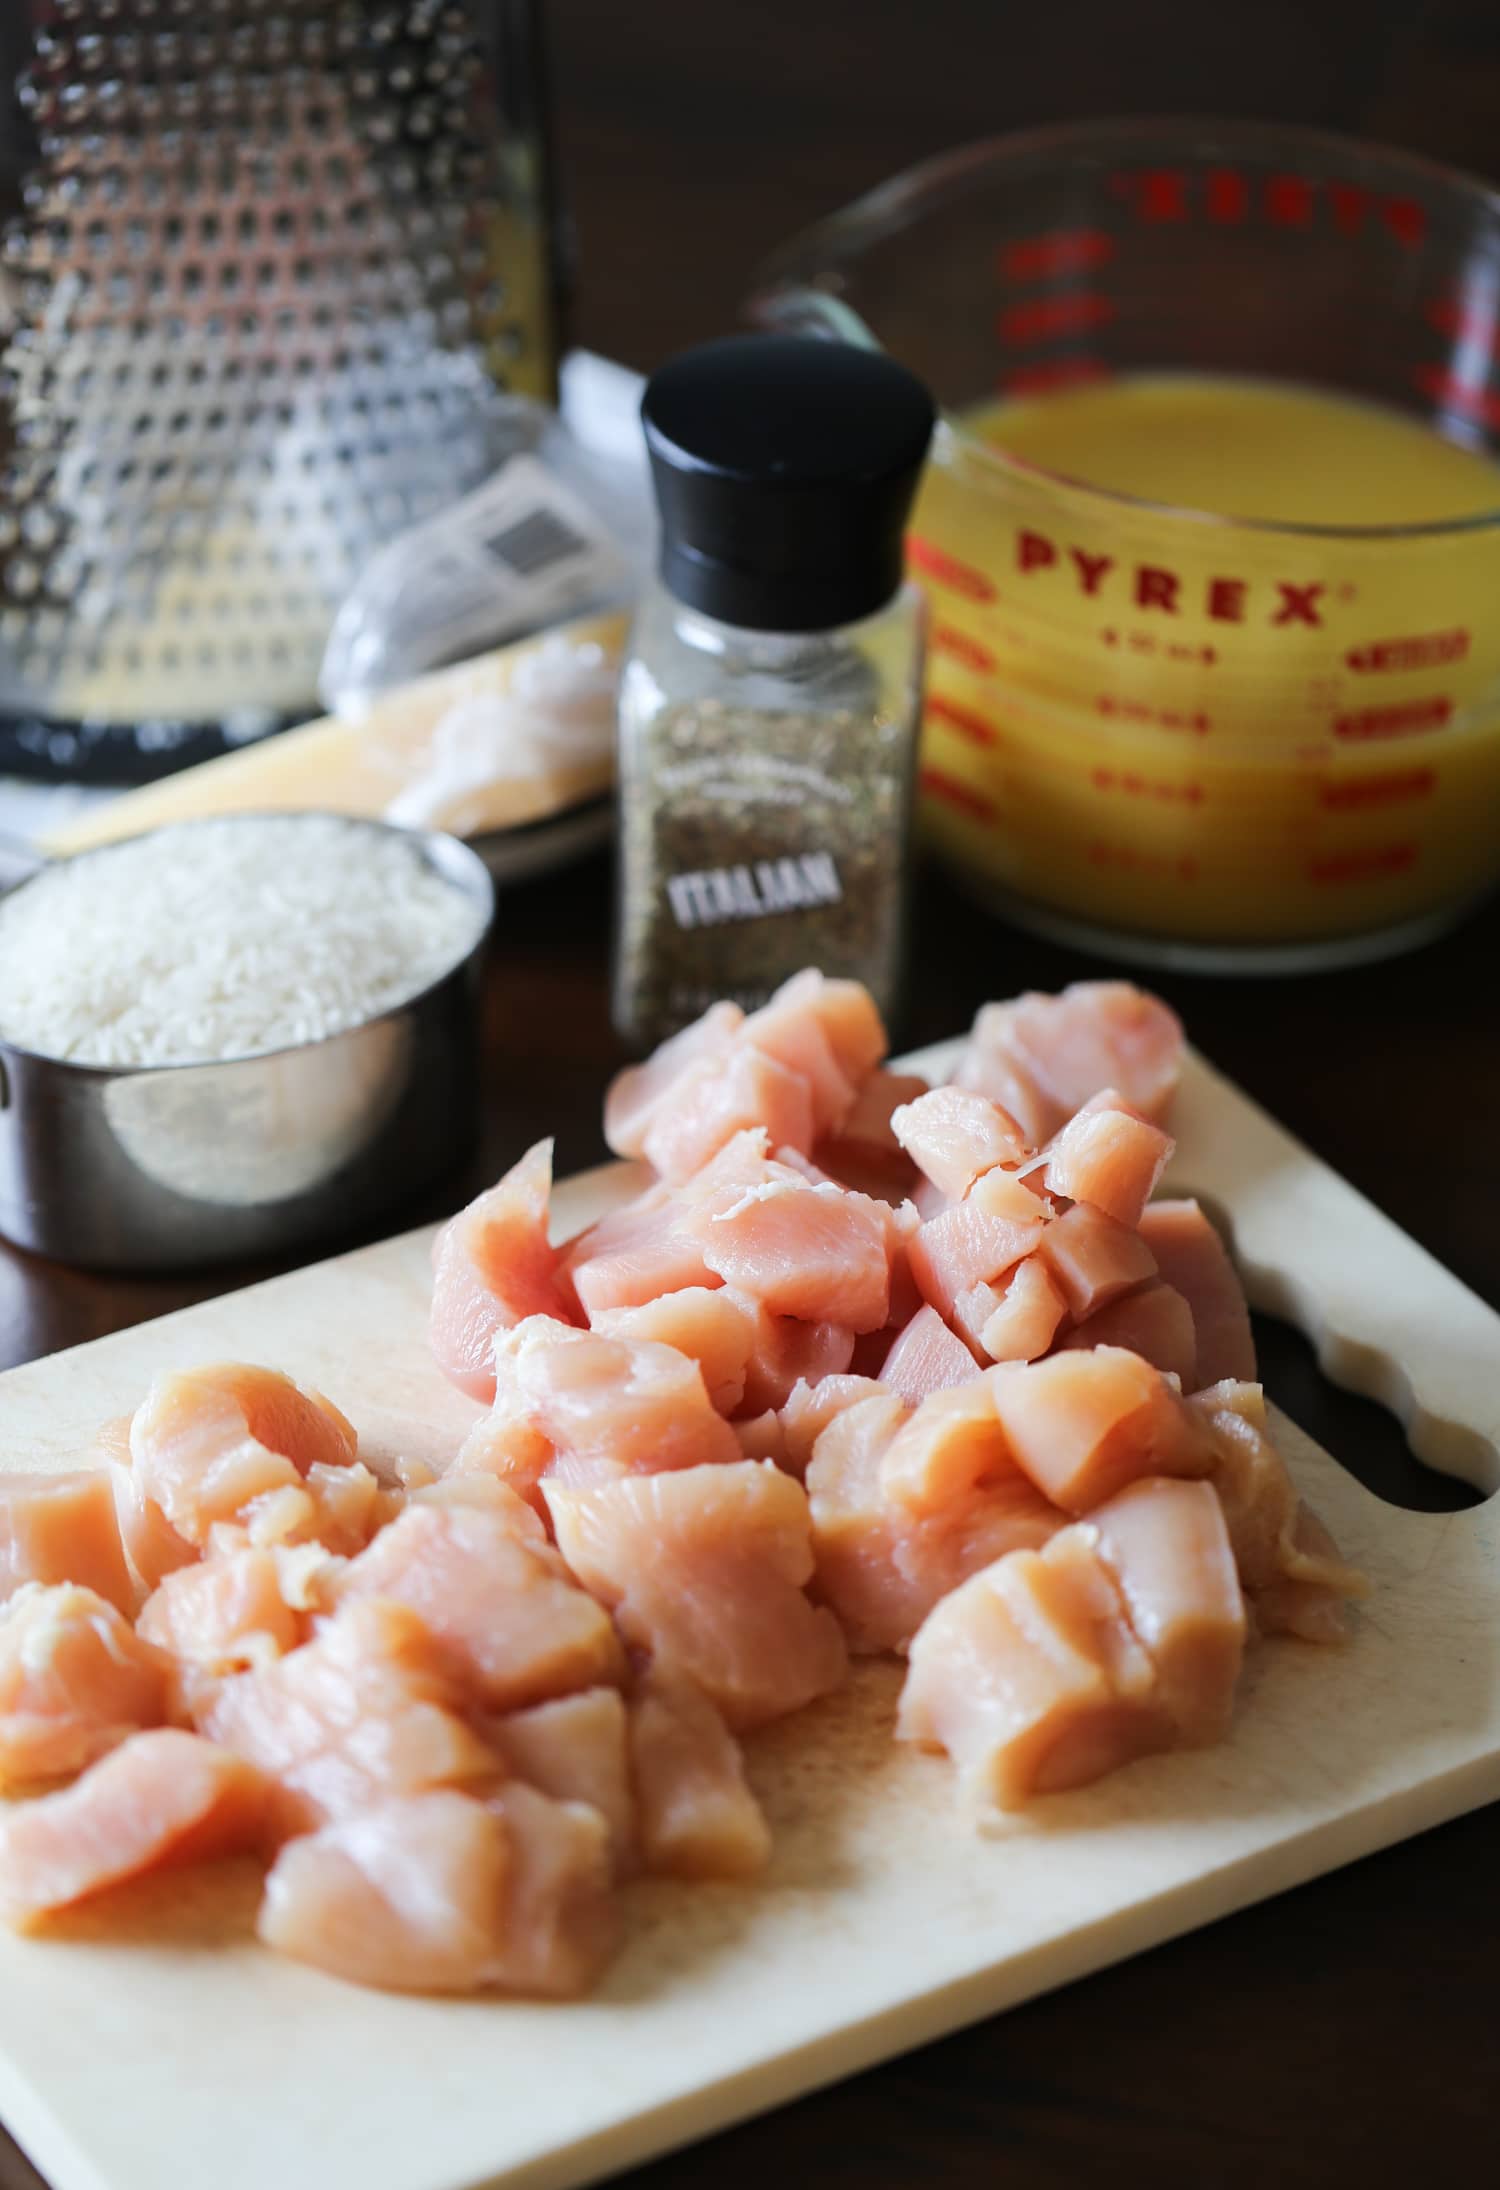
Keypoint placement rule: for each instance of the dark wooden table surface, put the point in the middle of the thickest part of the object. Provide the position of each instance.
(1346, 2032)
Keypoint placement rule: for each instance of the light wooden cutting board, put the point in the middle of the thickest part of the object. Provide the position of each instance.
(155, 2047)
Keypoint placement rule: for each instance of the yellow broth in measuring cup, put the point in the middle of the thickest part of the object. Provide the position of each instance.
(1214, 661)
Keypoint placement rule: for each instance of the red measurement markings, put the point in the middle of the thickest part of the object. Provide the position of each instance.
(1466, 316)
(1062, 372)
(947, 570)
(961, 796)
(1363, 866)
(967, 721)
(943, 639)
(1457, 394)
(1183, 868)
(1059, 251)
(1289, 201)
(1408, 720)
(1114, 707)
(1357, 794)
(1226, 195)
(1044, 319)
(1420, 650)
(1136, 786)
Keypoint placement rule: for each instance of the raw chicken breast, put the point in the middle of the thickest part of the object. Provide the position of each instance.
(706, 1568)
(787, 1352)
(365, 1711)
(952, 1444)
(927, 1358)
(955, 1135)
(153, 1549)
(161, 1798)
(789, 1030)
(811, 1406)
(714, 1327)
(576, 1750)
(1288, 1563)
(408, 1895)
(882, 1567)
(1064, 1049)
(63, 1528)
(1083, 1425)
(206, 1442)
(1167, 1547)
(816, 1252)
(865, 1153)
(698, 1818)
(1108, 1156)
(635, 1254)
(230, 1613)
(1017, 1318)
(74, 1682)
(492, 1265)
(560, 1925)
(975, 1241)
(1093, 1258)
(1154, 1322)
(515, 1629)
(1191, 1257)
(635, 1093)
(719, 1097)
(1031, 1678)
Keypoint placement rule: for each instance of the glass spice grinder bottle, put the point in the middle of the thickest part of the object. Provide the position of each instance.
(770, 694)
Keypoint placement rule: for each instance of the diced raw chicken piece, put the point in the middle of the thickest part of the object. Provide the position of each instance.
(1191, 1257)
(815, 1252)
(787, 1352)
(74, 1682)
(161, 1798)
(508, 1450)
(953, 1442)
(927, 1358)
(1288, 1563)
(576, 1750)
(790, 1030)
(1098, 1034)
(811, 1406)
(706, 1568)
(635, 1254)
(865, 1152)
(349, 1505)
(761, 1437)
(477, 1488)
(492, 1265)
(560, 1925)
(153, 1549)
(719, 1097)
(515, 1628)
(713, 1326)
(63, 1528)
(635, 1093)
(408, 1895)
(225, 1615)
(582, 1395)
(1154, 1322)
(847, 1013)
(365, 1711)
(881, 1567)
(1030, 1678)
(1110, 1157)
(1017, 1319)
(990, 1065)
(1093, 1258)
(975, 1241)
(955, 1135)
(698, 1818)
(1167, 1547)
(1083, 1425)
(205, 1442)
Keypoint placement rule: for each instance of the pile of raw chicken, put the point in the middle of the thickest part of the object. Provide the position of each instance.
(866, 1367)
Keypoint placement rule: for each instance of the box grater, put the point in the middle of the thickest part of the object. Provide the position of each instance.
(271, 269)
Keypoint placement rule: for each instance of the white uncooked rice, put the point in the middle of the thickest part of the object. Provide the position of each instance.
(225, 938)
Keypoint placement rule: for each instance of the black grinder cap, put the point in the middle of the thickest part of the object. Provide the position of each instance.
(785, 466)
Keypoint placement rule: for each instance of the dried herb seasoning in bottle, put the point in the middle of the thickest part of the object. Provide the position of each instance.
(770, 696)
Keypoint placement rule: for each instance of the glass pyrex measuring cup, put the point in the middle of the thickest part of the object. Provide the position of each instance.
(1175, 735)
